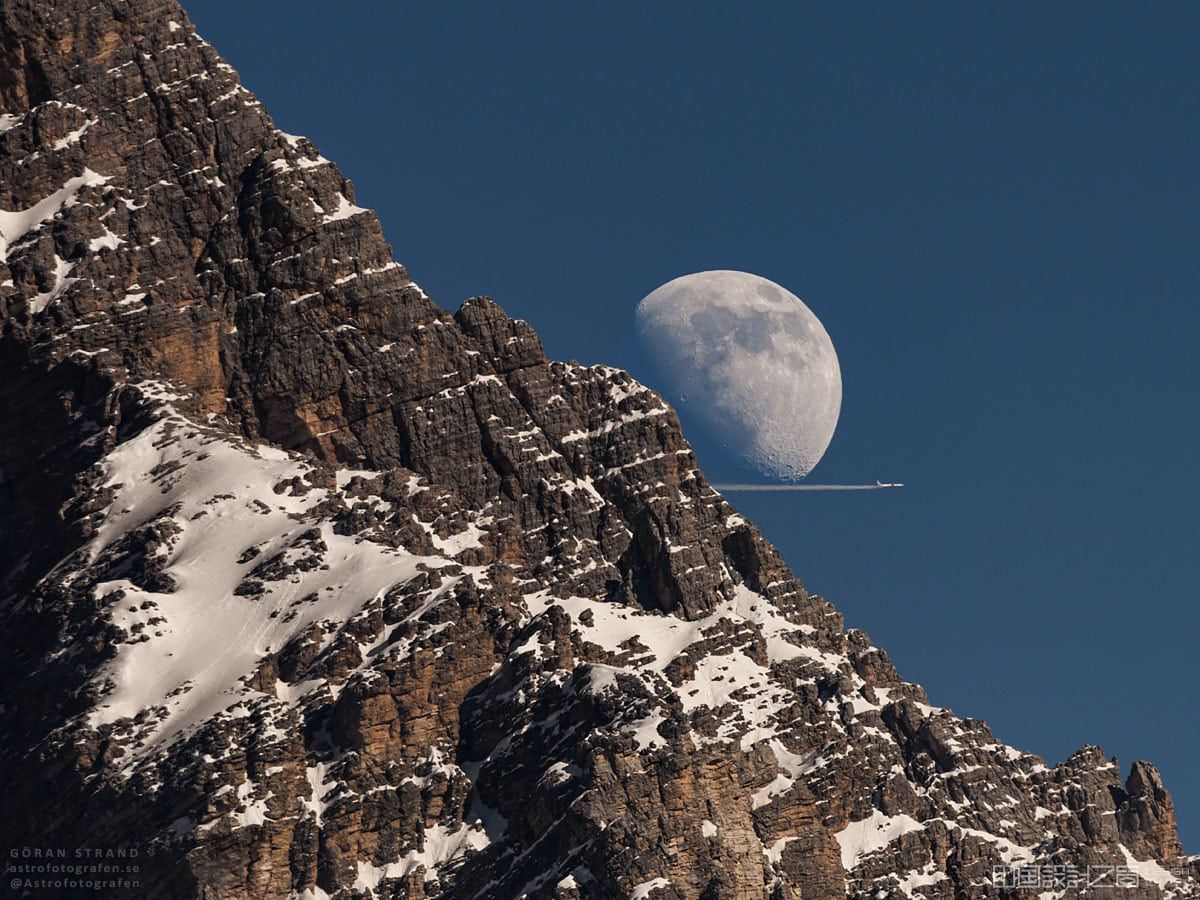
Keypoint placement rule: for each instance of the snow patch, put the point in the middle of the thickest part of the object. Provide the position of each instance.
(866, 836)
(219, 495)
(75, 136)
(1148, 869)
(62, 269)
(16, 225)
(646, 888)
(440, 846)
(345, 209)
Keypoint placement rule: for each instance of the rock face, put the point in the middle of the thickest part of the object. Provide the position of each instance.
(314, 589)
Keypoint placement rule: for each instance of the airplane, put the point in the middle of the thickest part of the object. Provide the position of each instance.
(883, 484)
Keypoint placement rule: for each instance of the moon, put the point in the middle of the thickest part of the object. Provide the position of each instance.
(751, 361)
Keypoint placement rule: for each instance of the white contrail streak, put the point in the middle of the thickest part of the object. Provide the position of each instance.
(805, 487)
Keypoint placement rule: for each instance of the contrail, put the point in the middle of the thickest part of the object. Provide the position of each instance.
(877, 486)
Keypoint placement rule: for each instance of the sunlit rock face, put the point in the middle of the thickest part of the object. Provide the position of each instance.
(748, 361)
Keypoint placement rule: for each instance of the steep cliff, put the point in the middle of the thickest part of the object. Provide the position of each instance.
(313, 589)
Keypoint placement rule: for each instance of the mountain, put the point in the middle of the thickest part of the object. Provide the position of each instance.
(313, 589)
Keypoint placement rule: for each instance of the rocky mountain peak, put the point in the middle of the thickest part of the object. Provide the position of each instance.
(320, 591)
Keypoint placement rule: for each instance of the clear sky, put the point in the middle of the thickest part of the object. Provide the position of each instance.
(995, 211)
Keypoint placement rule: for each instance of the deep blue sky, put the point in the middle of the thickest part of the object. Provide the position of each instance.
(995, 210)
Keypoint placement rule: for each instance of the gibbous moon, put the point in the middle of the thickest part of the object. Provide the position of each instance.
(751, 361)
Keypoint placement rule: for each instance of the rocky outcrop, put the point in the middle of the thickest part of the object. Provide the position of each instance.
(321, 591)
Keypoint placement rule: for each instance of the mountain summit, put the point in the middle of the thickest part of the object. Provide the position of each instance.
(313, 589)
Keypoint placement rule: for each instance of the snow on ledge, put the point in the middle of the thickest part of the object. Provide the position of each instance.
(345, 210)
(16, 224)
